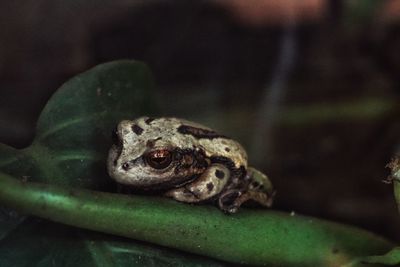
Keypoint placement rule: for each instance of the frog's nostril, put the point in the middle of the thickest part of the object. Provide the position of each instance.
(126, 166)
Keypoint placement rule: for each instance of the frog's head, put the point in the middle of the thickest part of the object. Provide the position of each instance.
(147, 154)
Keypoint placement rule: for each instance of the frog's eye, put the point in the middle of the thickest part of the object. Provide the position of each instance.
(159, 159)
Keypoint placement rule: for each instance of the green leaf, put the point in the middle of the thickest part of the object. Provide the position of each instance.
(74, 128)
(41, 243)
(391, 258)
(257, 237)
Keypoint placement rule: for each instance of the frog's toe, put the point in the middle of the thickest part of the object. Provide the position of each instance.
(227, 201)
(230, 209)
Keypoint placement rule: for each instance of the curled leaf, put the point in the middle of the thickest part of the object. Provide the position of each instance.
(257, 237)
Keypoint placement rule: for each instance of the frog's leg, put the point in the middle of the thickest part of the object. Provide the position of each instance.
(209, 184)
(259, 180)
(256, 186)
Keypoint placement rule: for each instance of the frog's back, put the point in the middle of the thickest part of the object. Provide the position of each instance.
(188, 134)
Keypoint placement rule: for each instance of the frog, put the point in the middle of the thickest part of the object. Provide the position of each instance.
(186, 161)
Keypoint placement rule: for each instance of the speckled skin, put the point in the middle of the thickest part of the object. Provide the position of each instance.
(204, 165)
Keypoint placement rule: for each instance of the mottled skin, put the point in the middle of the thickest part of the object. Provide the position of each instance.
(186, 161)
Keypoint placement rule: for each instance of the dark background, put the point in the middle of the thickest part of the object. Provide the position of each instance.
(310, 88)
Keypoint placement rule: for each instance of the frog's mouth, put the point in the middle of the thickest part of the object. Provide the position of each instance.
(160, 187)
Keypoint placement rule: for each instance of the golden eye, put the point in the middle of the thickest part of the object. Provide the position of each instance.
(159, 159)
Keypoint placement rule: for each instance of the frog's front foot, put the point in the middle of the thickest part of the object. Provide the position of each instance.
(255, 187)
(227, 201)
(231, 200)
